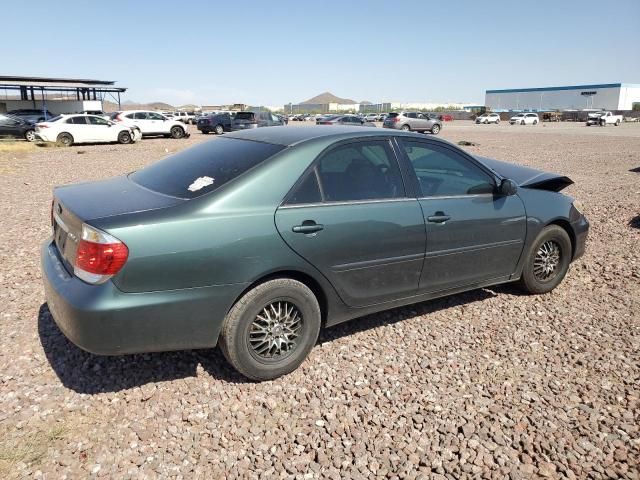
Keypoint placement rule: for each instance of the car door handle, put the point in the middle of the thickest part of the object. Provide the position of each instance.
(439, 217)
(308, 226)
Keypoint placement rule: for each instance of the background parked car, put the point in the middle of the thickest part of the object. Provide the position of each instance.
(151, 123)
(69, 129)
(487, 118)
(352, 120)
(372, 117)
(217, 123)
(446, 117)
(524, 119)
(245, 120)
(32, 115)
(15, 127)
(413, 121)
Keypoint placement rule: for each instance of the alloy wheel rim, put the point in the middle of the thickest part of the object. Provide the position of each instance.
(275, 331)
(31, 136)
(546, 261)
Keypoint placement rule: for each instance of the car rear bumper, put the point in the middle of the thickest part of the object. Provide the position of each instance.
(106, 321)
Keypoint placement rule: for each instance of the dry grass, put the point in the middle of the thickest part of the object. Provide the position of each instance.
(28, 447)
(16, 147)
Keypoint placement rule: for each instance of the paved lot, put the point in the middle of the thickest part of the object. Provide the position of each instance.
(487, 384)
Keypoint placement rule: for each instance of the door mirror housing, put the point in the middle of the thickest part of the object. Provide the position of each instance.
(507, 187)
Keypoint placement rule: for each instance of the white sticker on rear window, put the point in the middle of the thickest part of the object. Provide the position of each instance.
(199, 183)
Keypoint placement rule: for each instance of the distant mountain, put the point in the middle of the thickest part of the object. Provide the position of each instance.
(130, 105)
(328, 97)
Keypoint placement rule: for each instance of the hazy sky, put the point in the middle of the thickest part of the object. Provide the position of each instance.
(274, 52)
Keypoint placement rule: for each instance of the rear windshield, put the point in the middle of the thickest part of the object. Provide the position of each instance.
(393, 115)
(205, 167)
(244, 116)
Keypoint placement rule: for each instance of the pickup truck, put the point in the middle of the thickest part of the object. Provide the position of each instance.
(603, 119)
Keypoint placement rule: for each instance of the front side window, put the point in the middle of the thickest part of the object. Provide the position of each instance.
(97, 121)
(444, 172)
(360, 171)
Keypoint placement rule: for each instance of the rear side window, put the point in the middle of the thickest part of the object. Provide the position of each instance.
(78, 120)
(365, 170)
(245, 116)
(205, 167)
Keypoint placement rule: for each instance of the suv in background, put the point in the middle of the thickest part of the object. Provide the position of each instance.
(524, 119)
(185, 117)
(151, 123)
(487, 118)
(32, 115)
(245, 120)
(217, 123)
(413, 121)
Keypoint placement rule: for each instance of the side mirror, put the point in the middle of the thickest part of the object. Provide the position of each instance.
(507, 187)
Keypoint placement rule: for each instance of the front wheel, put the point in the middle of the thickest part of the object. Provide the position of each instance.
(617, 123)
(435, 129)
(548, 261)
(498, 122)
(124, 137)
(535, 122)
(177, 132)
(30, 136)
(219, 129)
(271, 329)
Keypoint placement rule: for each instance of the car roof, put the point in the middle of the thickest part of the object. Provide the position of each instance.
(289, 136)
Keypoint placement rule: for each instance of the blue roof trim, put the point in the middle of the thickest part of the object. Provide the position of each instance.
(570, 87)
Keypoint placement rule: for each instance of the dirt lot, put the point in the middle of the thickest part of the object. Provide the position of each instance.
(490, 384)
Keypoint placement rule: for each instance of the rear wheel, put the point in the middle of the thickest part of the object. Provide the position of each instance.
(65, 139)
(406, 128)
(617, 123)
(435, 129)
(219, 129)
(548, 261)
(30, 136)
(271, 329)
(124, 137)
(177, 132)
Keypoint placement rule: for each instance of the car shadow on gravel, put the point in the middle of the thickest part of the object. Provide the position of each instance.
(635, 222)
(399, 314)
(85, 372)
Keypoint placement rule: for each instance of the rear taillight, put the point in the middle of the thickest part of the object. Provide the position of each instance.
(99, 255)
(118, 118)
(395, 119)
(42, 125)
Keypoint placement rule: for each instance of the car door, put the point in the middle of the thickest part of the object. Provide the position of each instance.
(78, 128)
(474, 235)
(157, 123)
(101, 130)
(8, 127)
(350, 218)
(412, 120)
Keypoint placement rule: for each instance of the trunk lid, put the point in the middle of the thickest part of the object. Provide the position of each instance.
(74, 205)
(527, 177)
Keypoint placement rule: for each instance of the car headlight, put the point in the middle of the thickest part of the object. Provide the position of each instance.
(577, 204)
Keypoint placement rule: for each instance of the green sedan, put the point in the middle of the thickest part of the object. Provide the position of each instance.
(257, 240)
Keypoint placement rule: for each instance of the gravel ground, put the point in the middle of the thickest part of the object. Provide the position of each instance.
(487, 384)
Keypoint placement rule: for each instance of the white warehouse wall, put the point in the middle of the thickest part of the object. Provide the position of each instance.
(608, 97)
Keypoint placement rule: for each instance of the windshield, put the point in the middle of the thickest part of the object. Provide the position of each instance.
(205, 167)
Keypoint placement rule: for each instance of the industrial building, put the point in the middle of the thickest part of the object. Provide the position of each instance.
(608, 96)
(56, 95)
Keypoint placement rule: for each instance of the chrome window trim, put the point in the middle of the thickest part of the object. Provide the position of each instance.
(445, 197)
(350, 202)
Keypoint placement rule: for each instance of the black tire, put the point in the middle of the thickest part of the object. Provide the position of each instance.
(219, 129)
(406, 128)
(497, 121)
(30, 135)
(124, 137)
(204, 132)
(65, 139)
(236, 329)
(535, 122)
(435, 129)
(177, 132)
(533, 278)
(617, 123)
